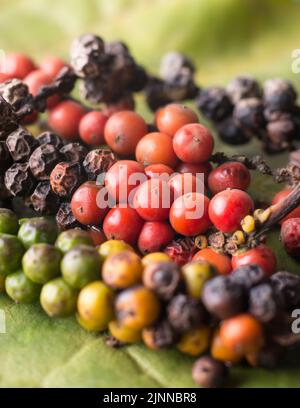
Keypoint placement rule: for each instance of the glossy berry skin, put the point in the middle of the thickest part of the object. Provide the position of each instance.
(35, 80)
(209, 373)
(123, 131)
(183, 208)
(195, 169)
(181, 184)
(52, 65)
(112, 247)
(155, 257)
(222, 353)
(123, 224)
(173, 116)
(122, 179)
(219, 261)
(229, 175)
(153, 200)
(4, 77)
(91, 128)
(242, 333)
(58, 299)
(64, 119)
(193, 143)
(261, 255)
(85, 204)
(125, 104)
(159, 171)
(156, 148)
(154, 236)
(18, 65)
(228, 208)
(195, 275)
(97, 235)
(195, 341)
(279, 197)
(123, 333)
(290, 236)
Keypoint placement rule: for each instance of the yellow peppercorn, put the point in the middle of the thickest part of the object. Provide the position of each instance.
(238, 237)
(220, 352)
(201, 242)
(195, 275)
(113, 246)
(262, 215)
(248, 224)
(123, 333)
(195, 341)
(155, 257)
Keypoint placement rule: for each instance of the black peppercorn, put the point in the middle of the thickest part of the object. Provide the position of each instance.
(8, 118)
(248, 113)
(163, 278)
(15, 92)
(74, 152)
(248, 275)
(209, 373)
(279, 94)
(267, 357)
(19, 180)
(65, 218)
(281, 132)
(21, 144)
(4, 193)
(243, 87)
(262, 302)
(223, 298)
(98, 162)
(214, 103)
(139, 80)
(286, 287)
(155, 94)
(160, 336)
(65, 178)
(50, 138)
(43, 160)
(232, 133)
(43, 199)
(5, 159)
(185, 313)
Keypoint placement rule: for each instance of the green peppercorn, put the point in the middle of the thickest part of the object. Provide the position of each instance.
(37, 230)
(2, 284)
(41, 263)
(80, 266)
(71, 238)
(195, 274)
(58, 299)
(8, 222)
(21, 289)
(11, 252)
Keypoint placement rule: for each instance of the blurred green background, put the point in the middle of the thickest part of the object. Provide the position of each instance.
(224, 37)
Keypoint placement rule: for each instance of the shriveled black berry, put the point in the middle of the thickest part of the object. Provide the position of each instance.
(248, 275)
(74, 152)
(21, 144)
(43, 199)
(98, 162)
(160, 336)
(231, 132)
(223, 298)
(65, 218)
(242, 87)
(281, 132)
(19, 180)
(248, 113)
(286, 287)
(139, 80)
(209, 373)
(50, 138)
(5, 158)
(267, 357)
(279, 94)
(262, 302)
(155, 93)
(42, 161)
(185, 313)
(174, 64)
(8, 118)
(15, 92)
(214, 103)
(163, 278)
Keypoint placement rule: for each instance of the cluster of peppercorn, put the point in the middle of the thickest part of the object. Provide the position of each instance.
(244, 110)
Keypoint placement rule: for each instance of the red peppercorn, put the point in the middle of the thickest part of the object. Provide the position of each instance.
(97, 235)
(229, 175)
(159, 171)
(64, 119)
(154, 236)
(189, 214)
(261, 255)
(279, 197)
(87, 204)
(123, 224)
(156, 148)
(124, 104)
(52, 65)
(35, 80)
(91, 128)
(181, 184)
(193, 143)
(18, 65)
(181, 250)
(218, 260)
(195, 169)
(228, 208)
(290, 236)
(173, 116)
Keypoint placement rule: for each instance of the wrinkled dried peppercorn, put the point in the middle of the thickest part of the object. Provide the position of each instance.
(262, 302)
(281, 132)
(87, 55)
(267, 357)
(181, 250)
(8, 118)
(286, 287)
(279, 94)
(155, 93)
(160, 336)
(185, 313)
(98, 161)
(214, 103)
(249, 114)
(50, 138)
(243, 87)
(139, 80)
(43, 199)
(248, 275)
(43, 160)
(65, 218)
(65, 178)
(74, 152)
(232, 133)
(21, 144)
(5, 158)
(163, 278)
(15, 92)
(19, 180)
(4, 193)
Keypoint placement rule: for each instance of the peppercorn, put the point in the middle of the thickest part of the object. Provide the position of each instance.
(195, 341)
(98, 162)
(243, 87)
(65, 178)
(112, 247)
(65, 218)
(4, 193)
(50, 138)
(58, 299)
(248, 276)
(87, 55)
(11, 252)
(67, 240)
(122, 333)
(155, 94)
(42, 161)
(286, 287)
(181, 250)
(223, 298)
(209, 373)
(74, 152)
(18, 179)
(231, 132)
(8, 118)
(195, 274)
(267, 357)
(43, 200)
(5, 159)
(15, 92)
(8, 222)
(36, 230)
(262, 302)
(155, 257)
(21, 144)
(21, 289)
(163, 278)
(214, 103)
(279, 94)
(220, 352)
(185, 313)
(159, 336)
(139, 79)
(281, 132)
(248, 113)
